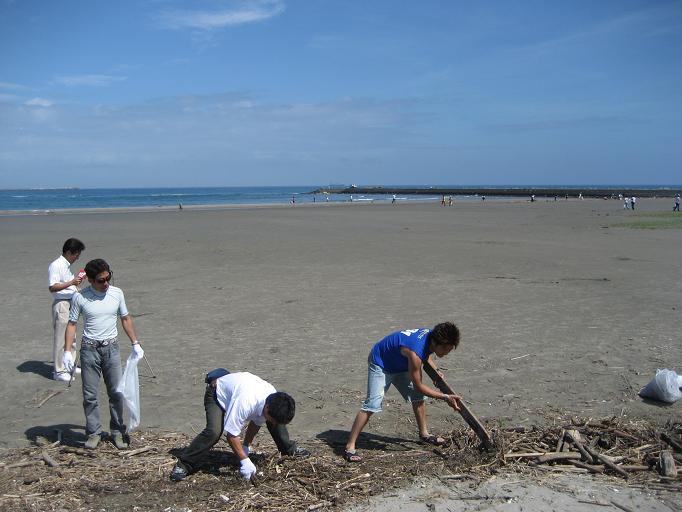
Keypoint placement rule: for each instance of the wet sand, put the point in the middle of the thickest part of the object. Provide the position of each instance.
(560, 310)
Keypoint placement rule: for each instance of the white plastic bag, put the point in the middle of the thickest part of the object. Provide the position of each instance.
(665, 386)
(129, 387)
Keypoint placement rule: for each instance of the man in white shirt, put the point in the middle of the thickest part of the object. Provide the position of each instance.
(62, 284)
(233, 401)
(100, 304)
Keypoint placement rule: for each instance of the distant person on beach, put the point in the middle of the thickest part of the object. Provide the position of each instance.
(293, 200)
(633, 200)
(482, 198)
(100, 304)
(393, 200)
(580, 196)
(449, 200)
(397, 359)
(233, 401)
(62, 284)
(442, 201)
(626, 203)
(676, 208)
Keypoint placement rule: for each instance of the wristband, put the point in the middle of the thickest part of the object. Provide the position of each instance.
(135, 342)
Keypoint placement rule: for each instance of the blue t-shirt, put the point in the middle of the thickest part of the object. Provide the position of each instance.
(386, 353)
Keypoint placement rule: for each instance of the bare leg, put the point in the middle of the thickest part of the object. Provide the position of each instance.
(420, 415)
(360, 422)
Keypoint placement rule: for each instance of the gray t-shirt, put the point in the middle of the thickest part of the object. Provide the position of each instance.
(100, 311)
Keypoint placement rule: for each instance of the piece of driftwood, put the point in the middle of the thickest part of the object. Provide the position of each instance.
(556, 456)
(51, 395)
(590, 467)
(468, 416)
(607, 462)
(49, 460)
(621, 506)
(523, 455)
(131, 453)
(666, 463)
(674, 444)
(572, 438)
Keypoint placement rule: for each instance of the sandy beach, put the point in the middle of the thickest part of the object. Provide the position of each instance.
(562, 311)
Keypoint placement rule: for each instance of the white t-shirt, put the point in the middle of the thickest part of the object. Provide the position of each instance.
(242, 397)
(100, 311)
(60, 272)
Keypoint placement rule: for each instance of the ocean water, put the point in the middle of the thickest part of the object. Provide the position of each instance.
(40, 200)
(54, 199)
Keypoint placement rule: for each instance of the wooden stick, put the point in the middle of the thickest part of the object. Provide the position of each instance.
(523, 455)
(607, 462)
(130, 453)
(468, 416)
(586, 456)
(554, 456)
(24, 464)
(675, 445)
(49, 460)
(590, 467)
(621, 506)
(51, 395)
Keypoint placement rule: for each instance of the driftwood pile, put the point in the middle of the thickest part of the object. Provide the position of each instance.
(58, 474)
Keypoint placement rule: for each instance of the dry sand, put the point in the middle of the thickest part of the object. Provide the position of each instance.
(560, 310)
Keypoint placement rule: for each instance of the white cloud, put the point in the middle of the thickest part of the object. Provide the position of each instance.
(244, 12)
(9, 85)
(89, 80)
(39, 102)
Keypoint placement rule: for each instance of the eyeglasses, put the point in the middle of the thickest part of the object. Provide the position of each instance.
(103, 280)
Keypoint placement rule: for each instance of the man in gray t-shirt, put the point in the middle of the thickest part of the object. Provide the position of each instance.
(100, 305)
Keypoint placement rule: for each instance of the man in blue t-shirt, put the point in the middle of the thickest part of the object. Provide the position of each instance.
(397, 359)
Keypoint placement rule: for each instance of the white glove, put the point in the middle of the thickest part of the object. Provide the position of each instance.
(67, 361)
(245, 447)
(137, 350)
(248, 469)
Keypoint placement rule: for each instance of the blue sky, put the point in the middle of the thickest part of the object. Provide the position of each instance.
(307, 92)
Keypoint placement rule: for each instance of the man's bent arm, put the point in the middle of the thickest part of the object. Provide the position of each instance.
(58, 287)
(414, 368)
(69, 335)
(236, 445)
(129, 328)
(251, 431)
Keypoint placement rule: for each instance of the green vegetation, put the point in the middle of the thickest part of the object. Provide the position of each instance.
(657, 220)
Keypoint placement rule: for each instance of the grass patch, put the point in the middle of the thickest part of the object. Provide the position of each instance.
(657, 220)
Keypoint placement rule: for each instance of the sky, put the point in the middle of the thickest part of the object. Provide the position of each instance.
(149, 93)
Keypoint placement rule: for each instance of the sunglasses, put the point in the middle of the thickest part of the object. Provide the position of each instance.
(103, 280)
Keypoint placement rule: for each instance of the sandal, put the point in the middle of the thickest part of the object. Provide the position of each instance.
(352, 456)
(434, 440)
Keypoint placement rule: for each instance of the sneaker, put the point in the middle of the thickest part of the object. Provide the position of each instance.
(300, 452)
(62, 376)
(179, 473)
(119, 441)
(93, 441)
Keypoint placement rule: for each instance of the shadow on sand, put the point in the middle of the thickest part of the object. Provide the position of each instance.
(38, 367)
(336, 440)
